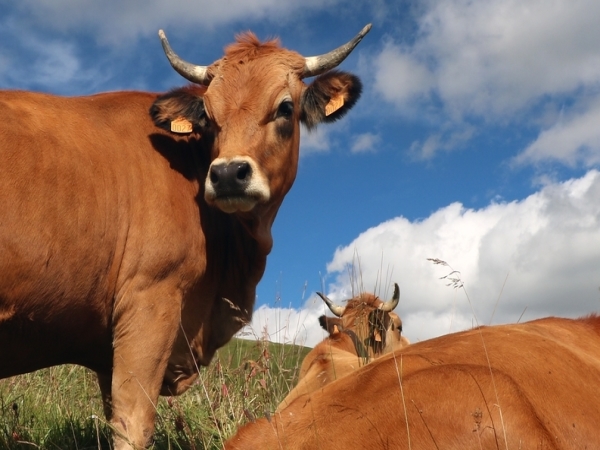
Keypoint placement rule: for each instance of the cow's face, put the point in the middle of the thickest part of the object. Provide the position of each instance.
(370, 319)
(252, 108)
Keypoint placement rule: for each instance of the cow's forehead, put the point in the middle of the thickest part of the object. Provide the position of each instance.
(248, 48)
(365, 300)
(257, 77)
(359, 307)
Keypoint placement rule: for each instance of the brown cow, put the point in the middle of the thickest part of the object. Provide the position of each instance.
(132, 243)
(364, 329)
(526, 386)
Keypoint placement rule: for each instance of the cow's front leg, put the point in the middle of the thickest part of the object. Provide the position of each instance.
(105, 384)
(144, 331)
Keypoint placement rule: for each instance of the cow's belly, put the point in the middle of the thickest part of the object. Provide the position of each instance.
(53, 313)
(56, 283)
(27, 345)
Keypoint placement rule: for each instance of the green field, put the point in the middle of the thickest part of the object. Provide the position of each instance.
(60, 408)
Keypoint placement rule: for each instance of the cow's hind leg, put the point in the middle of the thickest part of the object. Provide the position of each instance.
(145, 328)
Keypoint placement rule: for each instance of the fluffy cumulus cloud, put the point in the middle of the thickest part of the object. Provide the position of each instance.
(505, 262)
(499, 60)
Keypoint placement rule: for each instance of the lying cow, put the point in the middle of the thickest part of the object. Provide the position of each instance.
(526, 386)
(364, 329)
(134, 227)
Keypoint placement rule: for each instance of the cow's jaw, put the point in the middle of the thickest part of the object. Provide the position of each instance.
(236, 184)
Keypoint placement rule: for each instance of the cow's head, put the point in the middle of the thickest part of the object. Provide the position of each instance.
(370, 319)
(250, 103)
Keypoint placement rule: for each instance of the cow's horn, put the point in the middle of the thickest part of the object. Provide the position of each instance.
(316, 65)
(335, 309)
(191, 72)
(391, 304)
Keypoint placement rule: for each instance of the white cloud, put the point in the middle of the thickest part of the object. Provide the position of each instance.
(535, 257)
(442, 141)
(570, 140)
(365, 143)
(115, 21)
(51, 63)
(314, 141)
(288, 325)
(400, 77)
(501, 61)
(494, 57)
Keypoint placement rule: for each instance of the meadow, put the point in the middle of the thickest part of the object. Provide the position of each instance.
(60, 408)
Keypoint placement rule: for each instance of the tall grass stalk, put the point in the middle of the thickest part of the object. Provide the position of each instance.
(454, 280)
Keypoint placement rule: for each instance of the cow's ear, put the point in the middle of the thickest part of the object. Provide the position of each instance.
(181, 111)
(331, 324)
(329, 97)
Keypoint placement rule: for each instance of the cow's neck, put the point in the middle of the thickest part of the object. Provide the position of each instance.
(236, 258)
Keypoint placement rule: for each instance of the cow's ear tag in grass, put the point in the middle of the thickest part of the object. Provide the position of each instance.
(181, 125)
(334, 104)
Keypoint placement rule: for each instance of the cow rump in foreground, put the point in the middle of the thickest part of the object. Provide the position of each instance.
(132, 243)
(364, 329)
(526, 386)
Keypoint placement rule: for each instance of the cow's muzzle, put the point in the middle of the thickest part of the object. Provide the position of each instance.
(235, 185)
(230, 179)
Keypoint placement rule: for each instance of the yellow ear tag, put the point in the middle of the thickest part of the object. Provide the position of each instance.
(181, 125)
(335, 329)
(377, 336)
(334, 104)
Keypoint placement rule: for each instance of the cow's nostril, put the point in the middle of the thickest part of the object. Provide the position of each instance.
(244, 171)
(214, 177)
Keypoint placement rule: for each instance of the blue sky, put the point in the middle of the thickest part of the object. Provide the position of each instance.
(476, 141)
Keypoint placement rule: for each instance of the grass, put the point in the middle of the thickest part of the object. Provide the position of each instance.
(60, 407)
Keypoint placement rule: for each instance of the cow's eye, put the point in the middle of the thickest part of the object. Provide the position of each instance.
(285, 110)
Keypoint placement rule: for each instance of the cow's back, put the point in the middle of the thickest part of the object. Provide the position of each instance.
(86, 203)
(530, 385)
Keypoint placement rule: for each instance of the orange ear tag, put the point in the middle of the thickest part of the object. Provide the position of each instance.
(181, 125)
(334, 104)
(377, 336)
